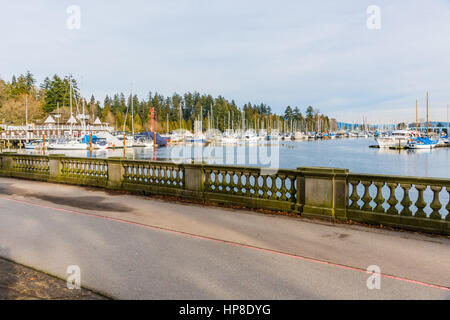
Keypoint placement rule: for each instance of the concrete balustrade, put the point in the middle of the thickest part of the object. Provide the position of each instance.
(324, 192)
(414, 203)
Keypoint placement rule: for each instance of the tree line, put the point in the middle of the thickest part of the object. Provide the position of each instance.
(178, 111)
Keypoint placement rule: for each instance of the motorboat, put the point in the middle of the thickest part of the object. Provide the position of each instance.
(143, 142)
(250, 136)
(68, 145)
(148, 136)
(299, 135)
(35, 144)
(398, 138)
(112, 141)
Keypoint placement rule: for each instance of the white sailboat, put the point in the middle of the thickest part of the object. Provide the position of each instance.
(72, 143)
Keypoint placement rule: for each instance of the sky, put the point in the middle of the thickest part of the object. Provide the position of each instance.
(297, 53)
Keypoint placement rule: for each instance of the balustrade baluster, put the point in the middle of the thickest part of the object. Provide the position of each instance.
(392, 201)
(283, 190)
(420, 203)
(354, 196)
(406, 201)
(379, 199)
(436, 205)
(366, 197)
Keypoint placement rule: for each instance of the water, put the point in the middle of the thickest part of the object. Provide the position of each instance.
(353, 154)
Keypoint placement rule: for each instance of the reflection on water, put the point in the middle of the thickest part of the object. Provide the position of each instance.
(353, 154)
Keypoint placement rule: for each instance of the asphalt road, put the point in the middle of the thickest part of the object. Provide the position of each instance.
(133, 258)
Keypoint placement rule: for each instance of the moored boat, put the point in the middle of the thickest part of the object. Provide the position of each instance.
(422, 143)
(398, 138)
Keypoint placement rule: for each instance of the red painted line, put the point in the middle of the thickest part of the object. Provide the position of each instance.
(237, 244)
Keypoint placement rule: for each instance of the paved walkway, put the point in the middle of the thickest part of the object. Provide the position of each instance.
(140, 247)
(18, 282)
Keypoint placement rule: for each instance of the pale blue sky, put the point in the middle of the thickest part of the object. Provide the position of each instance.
(296, 53)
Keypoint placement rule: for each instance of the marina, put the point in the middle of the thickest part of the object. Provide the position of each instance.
(351, 153)
(215, 151)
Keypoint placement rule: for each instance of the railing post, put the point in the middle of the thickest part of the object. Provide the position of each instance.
(115, 173)
(7, 161)
(323, 192)
(55, 166)
(194, 180)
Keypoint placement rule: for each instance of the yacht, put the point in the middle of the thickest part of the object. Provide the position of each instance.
(35, 144)
(250, 136)
(68, 145)
(398, 138)
(143, 142)
(113, 141)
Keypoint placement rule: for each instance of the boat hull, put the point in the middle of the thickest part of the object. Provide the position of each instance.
(391, 142)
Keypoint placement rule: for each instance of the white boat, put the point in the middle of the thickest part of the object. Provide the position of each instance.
(143, 143)
(113, 142)
(363, 135)
(250, 137)
(398, 138)
(35, 144)
(68, 145)
(196, 138)
(299, 136)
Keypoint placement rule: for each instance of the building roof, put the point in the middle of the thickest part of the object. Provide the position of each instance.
(49, 120)
(72, 120)
(97, 121)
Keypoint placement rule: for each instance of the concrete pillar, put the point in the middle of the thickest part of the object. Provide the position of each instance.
(194, 180)
(55, 165)
(7, 160)
(115, 173)
(323, 192)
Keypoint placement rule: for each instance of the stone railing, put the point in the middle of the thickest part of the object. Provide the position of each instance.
(420, 204)
(23, 166)
(408, 202)
(251, 187)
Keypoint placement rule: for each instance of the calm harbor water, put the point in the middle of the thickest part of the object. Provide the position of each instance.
(353, 154)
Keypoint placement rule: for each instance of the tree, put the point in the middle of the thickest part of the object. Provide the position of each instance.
(14, 111)
(107, 116)
(57, 91)
(288, 114)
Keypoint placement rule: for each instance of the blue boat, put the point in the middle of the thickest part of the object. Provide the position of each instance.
(422, 143)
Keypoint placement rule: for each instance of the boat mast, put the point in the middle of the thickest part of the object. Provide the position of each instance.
(417, 128)
(181, 115)
(427, 114)
(70, 94)
(26, 110)
(447, 121)
(132, 114)
(84, 117)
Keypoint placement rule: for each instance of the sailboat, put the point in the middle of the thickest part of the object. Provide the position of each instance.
(423, 142)
(72, 144)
